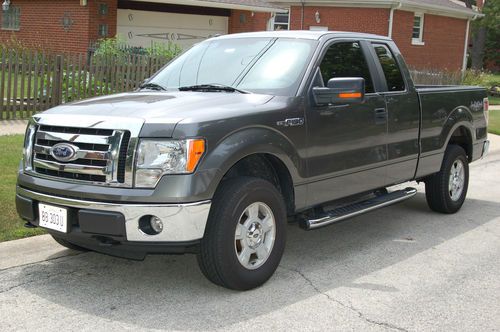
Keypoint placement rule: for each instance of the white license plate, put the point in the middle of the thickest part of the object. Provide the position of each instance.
(53, 217)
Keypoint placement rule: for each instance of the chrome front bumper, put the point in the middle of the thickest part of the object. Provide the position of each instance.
(181, 222)
(486, 149)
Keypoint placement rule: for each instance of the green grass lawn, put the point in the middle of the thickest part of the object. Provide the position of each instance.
(494, 100)
(11, 226)
(494, 124)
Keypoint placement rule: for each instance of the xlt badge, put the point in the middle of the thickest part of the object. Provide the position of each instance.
(291, 122)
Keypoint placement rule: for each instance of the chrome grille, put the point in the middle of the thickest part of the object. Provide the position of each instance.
(100, 158)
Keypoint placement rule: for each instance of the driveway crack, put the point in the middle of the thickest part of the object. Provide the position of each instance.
(42, 261)
(47, 277)
(350, 307)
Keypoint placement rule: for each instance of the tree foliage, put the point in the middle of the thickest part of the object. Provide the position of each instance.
(491, 22)
(485, 34)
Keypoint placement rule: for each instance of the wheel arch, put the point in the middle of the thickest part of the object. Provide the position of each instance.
(257, 152)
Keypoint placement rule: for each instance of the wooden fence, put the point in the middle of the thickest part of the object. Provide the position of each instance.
(33, 81)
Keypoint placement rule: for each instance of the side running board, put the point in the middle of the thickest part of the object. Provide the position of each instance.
(348, 211)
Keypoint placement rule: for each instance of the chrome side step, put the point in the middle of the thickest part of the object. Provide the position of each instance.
(358, 208)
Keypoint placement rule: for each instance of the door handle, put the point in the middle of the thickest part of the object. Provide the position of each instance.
(380, 115)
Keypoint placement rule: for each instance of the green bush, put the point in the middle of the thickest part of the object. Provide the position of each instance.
(117, 47)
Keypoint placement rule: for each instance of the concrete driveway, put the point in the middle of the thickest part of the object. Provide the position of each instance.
(400, 268)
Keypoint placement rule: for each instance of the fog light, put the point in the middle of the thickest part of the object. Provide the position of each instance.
(156, 224)
(150, 225)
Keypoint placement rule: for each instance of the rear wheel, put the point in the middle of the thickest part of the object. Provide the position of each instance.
(446, 191)
(67, 244)
(245, 235)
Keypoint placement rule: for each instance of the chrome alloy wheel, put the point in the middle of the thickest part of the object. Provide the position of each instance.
(255, 235)
(457, 180)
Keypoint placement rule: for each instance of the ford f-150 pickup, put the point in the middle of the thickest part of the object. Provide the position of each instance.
(240, 134)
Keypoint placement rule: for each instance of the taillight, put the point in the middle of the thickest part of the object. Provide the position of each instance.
(486, 106)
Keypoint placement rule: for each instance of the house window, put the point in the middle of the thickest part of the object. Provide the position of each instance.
(280, 21)
(103, 9)
(11, 19)
(103, 30)
(417, 37)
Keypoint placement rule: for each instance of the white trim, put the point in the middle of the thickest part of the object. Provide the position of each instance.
(211, 4)
(464, 64)
(416, 42)
(420, 40)
(271, 23)
(408, 5)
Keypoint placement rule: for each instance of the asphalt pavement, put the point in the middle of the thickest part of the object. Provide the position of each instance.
(401, 268)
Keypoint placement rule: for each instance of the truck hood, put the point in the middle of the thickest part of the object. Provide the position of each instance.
(159, 108)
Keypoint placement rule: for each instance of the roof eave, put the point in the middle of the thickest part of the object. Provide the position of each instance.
(211, 4)
(400, 4)
(440, 10)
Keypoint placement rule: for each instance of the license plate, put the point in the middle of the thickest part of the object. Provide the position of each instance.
(53, 217)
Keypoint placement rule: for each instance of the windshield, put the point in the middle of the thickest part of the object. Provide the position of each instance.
(259, 65)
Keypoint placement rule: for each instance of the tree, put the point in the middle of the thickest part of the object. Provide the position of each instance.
(485, 34)
(491, 22)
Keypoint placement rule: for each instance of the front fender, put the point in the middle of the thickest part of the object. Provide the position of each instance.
(247, 141)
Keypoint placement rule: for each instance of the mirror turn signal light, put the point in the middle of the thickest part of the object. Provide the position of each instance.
(349, 95)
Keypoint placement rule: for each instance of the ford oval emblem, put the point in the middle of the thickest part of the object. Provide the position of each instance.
(64, 152)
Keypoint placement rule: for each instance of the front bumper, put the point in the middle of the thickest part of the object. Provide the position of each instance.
(119, 222)
(486, 149)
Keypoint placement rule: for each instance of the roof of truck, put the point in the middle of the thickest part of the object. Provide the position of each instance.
(303, 34)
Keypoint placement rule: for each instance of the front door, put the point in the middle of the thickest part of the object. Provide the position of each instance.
(347, 143)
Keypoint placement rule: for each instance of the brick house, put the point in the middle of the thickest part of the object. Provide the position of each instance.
(430, 33)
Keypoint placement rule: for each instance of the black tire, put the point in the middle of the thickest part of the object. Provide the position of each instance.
(437, 190)
(67, 244)
(217, 256)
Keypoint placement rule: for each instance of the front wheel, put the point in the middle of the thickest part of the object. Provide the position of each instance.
(446, 191)
(245, 235)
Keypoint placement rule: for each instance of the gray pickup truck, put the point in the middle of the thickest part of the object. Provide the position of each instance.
(240, 134)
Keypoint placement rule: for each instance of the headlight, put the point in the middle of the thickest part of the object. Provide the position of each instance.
(156, 158)
(28, 147)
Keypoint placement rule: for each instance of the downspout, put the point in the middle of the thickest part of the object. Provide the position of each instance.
(391, 17)
(464, 63)
(466, 44)
(302, 16)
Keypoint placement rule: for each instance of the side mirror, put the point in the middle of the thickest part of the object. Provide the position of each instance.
(342, 90)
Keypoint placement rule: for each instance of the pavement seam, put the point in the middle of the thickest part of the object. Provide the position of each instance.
(350, 307)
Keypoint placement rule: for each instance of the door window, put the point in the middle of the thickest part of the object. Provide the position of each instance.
(346, 59)
(395, 81)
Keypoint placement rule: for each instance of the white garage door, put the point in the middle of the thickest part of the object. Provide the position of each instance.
(143, 28)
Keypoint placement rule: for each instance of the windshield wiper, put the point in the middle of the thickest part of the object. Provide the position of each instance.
(211, 87)
(152, 86)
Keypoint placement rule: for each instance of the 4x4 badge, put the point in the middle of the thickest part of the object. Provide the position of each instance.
(291, 122)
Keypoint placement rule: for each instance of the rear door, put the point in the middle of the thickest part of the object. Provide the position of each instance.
(347, 144)
(403, 111)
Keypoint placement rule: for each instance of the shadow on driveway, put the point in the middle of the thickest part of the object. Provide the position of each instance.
(169, 292)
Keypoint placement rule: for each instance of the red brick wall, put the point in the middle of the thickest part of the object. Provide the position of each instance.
(244, 21)
(444, 39)
(371, 20)
(41, 24)
(96, 19)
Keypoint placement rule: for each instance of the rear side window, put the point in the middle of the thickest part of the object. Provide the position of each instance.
(390, 67)
(346, 60)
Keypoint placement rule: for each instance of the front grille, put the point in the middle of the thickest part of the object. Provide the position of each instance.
(100, 154)
(74, 176)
